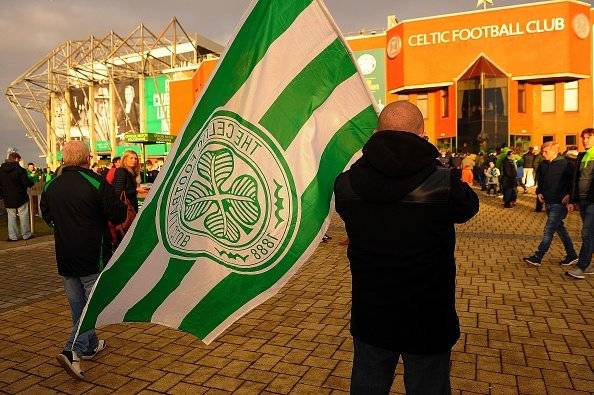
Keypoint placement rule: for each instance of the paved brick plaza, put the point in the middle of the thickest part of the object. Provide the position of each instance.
(524, 329)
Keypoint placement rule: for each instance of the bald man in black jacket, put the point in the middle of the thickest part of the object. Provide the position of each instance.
(399, 207)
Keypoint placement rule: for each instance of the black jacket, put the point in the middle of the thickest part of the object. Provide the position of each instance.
(123, 180)
(399, 208)
(575, 192)
(554, 179)
(78, 204)
(528, 160)
(13, 184)
(509, 174)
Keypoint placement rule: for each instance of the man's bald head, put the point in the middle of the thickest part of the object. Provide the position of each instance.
(402, 116)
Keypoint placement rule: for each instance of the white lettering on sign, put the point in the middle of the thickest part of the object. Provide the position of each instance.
(535, 26)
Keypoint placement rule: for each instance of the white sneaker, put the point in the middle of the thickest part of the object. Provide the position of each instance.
(71, 363)
(576, 272)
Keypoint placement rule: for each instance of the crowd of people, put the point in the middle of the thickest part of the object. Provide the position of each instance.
(403, 293)
(102, 199)
(562, 183)
(502, 171)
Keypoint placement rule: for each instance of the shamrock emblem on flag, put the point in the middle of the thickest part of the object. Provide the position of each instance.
(227, 211)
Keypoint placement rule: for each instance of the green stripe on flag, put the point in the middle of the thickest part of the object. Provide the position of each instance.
(308, 91)
(116, 277)
(173, 276)
(234, 69)
(261, 29)
(236, 290)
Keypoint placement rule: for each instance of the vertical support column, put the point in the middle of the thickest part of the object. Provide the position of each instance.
(48, 135)
(69, 112)
(142, 105)
(92, 121)
(112, 118)
(142, 122)
(53, 142)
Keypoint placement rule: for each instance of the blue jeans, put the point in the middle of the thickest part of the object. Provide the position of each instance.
(77, 291)
(13, 229)
(556, 213)
(587, 214)
(374, 367)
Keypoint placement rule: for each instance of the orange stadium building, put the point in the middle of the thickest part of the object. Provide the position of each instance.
(518, 75)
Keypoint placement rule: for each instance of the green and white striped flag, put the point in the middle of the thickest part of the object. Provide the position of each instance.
(246, 193)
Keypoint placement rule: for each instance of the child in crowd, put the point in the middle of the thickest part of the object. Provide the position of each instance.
(492, 175)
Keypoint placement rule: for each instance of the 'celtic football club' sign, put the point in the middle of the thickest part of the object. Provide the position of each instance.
(232, 198)
(245, 195)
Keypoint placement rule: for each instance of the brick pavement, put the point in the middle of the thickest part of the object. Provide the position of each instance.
(524, 329)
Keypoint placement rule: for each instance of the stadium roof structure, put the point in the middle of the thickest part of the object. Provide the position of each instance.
(101, 60)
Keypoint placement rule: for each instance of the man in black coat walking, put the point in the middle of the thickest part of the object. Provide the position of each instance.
(399, 207)
(77, 204)
(13, 190)
(554, 186)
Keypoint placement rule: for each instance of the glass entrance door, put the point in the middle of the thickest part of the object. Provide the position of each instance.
(483, 107)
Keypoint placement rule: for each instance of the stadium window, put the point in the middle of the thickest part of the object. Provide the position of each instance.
(522, 97)
(546, 139)
(444, 103)
(422, 103)
(570, 139)
(570, 97)
(547, 98)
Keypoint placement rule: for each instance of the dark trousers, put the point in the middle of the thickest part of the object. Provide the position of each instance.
(556, 213)
(587, 214)
(374, 367)
(509, 195)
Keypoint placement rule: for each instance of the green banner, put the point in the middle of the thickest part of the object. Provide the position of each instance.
(149, 138)
(156, 98)
(373, 66)
(151, 149)
(103, 146)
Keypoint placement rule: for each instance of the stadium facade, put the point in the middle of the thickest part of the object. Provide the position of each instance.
(519, 76)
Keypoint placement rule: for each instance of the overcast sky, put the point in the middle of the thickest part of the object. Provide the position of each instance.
(30, 29)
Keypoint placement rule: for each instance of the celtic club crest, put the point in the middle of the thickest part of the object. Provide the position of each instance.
(230, 198)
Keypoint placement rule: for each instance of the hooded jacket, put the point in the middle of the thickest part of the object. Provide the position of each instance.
(575, 190)
(399, 207)
(13, 184)
(77, 204)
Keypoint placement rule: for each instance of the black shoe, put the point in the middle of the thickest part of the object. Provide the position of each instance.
(10, 240)
(567, 261)
(71, 364)
(30, 237)
(533, 260)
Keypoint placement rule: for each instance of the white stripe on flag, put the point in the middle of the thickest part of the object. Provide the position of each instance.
(140, 284)
(202, 277)
(309, 35)
(270, 292)
(304, 153)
